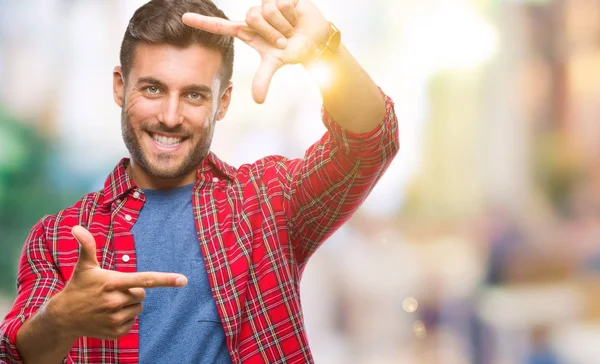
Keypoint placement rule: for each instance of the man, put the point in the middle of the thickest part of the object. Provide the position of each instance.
(226, 246)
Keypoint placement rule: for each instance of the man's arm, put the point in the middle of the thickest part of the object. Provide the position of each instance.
(49, 316)
(351, 97)
(40, 339)
(337, 173)
(323, 189)
(38, 280)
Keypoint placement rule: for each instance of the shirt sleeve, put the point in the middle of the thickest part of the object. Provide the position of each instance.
(38, 279)
(323, 189)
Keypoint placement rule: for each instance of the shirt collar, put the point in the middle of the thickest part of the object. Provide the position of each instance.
(118, 183)
(212, 164)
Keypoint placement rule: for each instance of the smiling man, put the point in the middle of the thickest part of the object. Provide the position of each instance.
(181, 257)
(171, 101)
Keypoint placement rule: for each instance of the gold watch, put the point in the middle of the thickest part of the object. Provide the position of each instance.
(331, 45)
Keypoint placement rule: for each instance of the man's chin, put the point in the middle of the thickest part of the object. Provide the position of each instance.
(172, 168)
(167, 172)
(168, 166)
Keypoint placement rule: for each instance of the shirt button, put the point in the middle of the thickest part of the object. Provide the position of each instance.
(126, 258)
(128, 217)
(136, 194)
(215, 179)
(119, 201)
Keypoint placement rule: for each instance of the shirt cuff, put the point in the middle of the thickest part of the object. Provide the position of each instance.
(9, 339)
(361, 145)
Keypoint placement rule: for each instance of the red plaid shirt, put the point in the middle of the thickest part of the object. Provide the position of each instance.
(257, 226)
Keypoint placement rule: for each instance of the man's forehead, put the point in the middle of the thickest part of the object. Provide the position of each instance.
(170, 64)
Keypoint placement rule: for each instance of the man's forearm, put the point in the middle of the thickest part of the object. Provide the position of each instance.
(40, 340)
(352, 98)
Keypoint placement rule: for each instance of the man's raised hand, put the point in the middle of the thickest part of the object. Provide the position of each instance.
(102, 303)
(282, 31)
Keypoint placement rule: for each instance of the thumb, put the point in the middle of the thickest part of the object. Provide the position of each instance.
(262, 78)
(87, 251)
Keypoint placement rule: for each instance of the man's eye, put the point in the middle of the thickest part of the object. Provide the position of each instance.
(153, 90)
(194, 96)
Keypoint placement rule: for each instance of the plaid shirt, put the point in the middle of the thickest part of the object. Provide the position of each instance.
(257, 226)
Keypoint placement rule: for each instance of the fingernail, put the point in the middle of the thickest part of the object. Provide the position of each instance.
(281, 42)
(181, 281)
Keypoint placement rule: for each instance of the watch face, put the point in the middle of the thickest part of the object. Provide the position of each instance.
(336, 38)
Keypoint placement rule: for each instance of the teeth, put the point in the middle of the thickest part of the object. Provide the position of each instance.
(166, 141)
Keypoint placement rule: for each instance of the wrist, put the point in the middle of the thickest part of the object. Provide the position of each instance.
(327, 49)
(43, 338)
(57, 317)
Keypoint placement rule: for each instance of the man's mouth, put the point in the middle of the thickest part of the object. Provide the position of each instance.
(167, 142)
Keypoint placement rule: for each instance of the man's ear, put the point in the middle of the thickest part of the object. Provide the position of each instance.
(224, 101)
(118, 85)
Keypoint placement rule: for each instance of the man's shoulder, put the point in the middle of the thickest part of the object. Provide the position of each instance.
(262, 166)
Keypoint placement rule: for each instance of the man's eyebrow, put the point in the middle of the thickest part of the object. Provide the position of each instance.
(201, 89)
(150, 81)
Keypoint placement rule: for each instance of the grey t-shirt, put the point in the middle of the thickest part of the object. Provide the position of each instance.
(177, 325)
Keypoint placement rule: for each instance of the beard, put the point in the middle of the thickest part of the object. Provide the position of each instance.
(166, 165)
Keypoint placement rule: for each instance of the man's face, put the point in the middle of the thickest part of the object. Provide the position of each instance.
(170, 102)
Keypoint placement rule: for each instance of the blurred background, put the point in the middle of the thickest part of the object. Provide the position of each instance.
(481, 244)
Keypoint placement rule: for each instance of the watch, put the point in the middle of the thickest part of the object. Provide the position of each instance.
(331, 45)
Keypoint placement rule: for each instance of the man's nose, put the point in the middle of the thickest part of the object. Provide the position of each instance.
(171, 113)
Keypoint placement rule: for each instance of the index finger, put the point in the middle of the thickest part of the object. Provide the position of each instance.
(125, 281)
(213, 24)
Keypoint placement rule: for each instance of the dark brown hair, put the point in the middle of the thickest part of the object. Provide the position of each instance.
(159, 22)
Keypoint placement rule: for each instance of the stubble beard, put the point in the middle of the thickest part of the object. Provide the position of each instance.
(163, 166)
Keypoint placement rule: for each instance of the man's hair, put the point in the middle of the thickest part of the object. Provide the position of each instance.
(159, 22)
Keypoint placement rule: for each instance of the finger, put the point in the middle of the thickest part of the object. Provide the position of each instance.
(118, 299)
(263, 77)
(125, 281)
(136, 295)
(214, 25)
(257, 22)
(273, 15)
(122, 329)
(130, 312)
(87, 243)
(127, 326)
(288, 9)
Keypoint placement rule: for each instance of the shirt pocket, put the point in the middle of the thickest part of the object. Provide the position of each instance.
(198, 278)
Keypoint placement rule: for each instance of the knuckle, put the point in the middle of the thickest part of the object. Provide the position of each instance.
(124, 329)
(112, 304)
(115, 320)
(273, 35)
(139, 294)
(110, 285)
(284, 4)
(148, 282)
(253, 15)
(269, 9)
(289, 31)
(220, 24)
